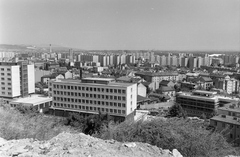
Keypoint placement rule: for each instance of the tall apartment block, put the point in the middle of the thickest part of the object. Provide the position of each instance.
(91, 95)
(17, 79)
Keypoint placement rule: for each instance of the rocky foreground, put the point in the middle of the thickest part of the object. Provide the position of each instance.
(80, 145)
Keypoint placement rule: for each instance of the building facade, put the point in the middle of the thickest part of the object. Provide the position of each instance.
(91, 95)
(17, 79)
(198, 103)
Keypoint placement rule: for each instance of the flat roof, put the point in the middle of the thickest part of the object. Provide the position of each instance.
(99, 79)
(79, 82)
(33, 99)
(204, 92)
(228, 119)
(227, 108)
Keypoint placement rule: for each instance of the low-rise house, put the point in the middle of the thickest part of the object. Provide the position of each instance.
(166, 83)
(40, 102)
(166, 90)
(229, 124)
(230, 109)
(55, 76)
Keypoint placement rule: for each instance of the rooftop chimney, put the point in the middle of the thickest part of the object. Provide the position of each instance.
(80, 73)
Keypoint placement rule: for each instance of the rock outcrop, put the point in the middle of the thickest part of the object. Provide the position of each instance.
(76, 145)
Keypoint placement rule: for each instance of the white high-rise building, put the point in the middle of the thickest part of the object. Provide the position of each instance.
(17, 79)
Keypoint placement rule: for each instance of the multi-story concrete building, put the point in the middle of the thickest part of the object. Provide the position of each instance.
(91, 95)
(198, 102)
(17, 79)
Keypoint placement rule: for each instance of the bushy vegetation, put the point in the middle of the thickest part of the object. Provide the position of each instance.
(25, 124)
(90, 124)
(190, 138)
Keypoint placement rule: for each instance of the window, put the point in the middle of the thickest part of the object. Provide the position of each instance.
(111, 110)
(103, 103)
(115, 90)
(107, 90)
(107, 103)
(123, 105)
(95, 89)
(123, 91)
(111, 90)
(115, 104)
(115, 111)
(123, 98)
(9, 79)
(119, 91)
(87, 88)
(103, 109)
(90, 88)
(119, 98)
(75, 87)
(79, 88)
(119, 111)
(111, 103)
(119, 104)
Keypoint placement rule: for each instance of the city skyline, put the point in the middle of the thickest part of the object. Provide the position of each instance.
(111, 25)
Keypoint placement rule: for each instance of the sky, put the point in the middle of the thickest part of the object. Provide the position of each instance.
(123, 24)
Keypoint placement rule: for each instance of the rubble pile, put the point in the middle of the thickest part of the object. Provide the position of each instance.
(75, 145)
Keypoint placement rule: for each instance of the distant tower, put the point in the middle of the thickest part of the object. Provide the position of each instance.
(50, 48)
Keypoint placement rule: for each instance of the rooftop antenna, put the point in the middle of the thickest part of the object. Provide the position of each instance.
(50, 50)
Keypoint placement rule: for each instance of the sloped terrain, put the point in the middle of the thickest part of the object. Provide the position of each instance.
(77, 145)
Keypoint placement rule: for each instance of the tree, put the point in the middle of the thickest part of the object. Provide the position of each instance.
(176, 111)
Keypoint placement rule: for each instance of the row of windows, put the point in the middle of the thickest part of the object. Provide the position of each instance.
(89, 108)
(8, 74)
(9, 79)
(3, 83)
(9, 88)
(8, 69)
(108, 97)
(90, 89)
(93, 102)
(197, 108)
(201, 105)
(9, 93)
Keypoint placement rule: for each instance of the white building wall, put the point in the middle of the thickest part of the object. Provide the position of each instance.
(31, 78)
(15, 81)
(131, 95)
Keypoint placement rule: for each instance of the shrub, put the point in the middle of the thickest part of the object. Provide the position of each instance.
(15, 125)
(191, 139)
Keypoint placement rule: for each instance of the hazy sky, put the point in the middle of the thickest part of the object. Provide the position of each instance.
(123, 24)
